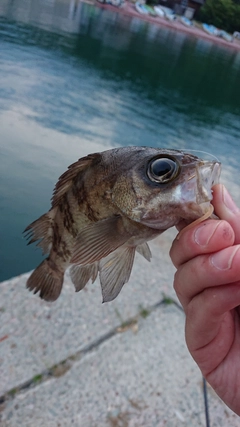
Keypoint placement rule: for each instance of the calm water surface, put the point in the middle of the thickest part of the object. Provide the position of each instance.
(76, 79)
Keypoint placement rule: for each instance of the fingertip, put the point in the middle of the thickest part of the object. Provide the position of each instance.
(212, 235)
(217, 189)
(209, 236)
(223, 202)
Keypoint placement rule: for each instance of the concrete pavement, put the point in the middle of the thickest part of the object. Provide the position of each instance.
(78, 362)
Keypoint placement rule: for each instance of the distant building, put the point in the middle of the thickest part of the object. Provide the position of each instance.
(183, 7)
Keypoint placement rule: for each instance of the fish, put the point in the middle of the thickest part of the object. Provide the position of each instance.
(107, 206)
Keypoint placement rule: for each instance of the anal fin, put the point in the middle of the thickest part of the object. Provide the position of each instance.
(115, 270)
(81, 274)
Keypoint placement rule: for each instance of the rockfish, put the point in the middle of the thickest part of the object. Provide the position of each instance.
(107, 205)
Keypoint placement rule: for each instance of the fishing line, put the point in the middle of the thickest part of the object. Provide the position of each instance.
(205, 395)
(203, 152)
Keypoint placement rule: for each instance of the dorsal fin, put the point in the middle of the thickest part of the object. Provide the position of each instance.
(81, 274)
(66, 179)
(42, 230)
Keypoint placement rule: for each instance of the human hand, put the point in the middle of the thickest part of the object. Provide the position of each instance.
(207, 283)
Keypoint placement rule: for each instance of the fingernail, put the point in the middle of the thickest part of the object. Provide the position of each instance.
(204, 232)
(228, 201)
(221, 261)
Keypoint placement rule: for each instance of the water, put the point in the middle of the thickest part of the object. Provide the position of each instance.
(76, 79)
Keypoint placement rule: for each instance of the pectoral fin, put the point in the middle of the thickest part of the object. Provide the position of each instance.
(81, 274)
(98, 240)
(114, 271)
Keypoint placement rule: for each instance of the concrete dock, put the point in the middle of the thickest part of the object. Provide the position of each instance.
(78, 362)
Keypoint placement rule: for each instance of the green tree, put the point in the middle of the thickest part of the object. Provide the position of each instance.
(224, 14)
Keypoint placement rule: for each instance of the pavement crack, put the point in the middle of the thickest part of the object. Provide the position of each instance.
(62, 367)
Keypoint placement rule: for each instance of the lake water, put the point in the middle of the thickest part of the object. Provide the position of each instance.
(75, 79)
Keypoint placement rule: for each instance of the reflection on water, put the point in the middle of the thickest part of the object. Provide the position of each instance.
(50, 14)
(76, 79)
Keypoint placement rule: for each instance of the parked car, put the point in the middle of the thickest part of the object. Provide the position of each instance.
(236, 35)
(226, 36)
(117, 3)
(159, 11)
(185, 21)
(140, 7)
(150, 10)
(210, 29)
(169, 13)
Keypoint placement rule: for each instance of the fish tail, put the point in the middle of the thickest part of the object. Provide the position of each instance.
(48, 279)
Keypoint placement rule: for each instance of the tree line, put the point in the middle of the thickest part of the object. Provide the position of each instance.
(224, 14)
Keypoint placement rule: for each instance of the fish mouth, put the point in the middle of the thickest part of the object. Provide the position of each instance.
(199, 192)
(190, 200)
(208, 174)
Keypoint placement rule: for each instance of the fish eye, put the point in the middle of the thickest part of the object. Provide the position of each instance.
(162, 170)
